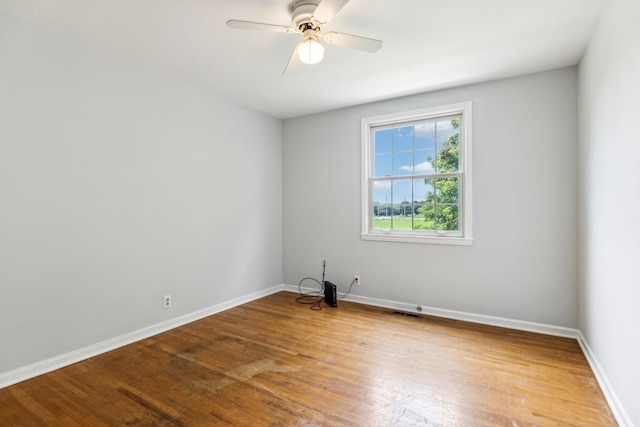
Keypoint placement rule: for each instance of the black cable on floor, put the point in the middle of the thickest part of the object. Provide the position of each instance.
(316, 298)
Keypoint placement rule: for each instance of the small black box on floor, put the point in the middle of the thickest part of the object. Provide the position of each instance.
(330, 294)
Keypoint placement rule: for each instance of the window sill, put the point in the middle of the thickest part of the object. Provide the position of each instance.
(407, 238)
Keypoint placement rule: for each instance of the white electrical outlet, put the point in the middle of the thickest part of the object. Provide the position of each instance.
(167, 301)
(356, 279)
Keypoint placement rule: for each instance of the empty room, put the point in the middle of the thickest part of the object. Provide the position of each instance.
(319, 212)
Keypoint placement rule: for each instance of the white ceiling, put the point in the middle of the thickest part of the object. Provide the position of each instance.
(428, 44)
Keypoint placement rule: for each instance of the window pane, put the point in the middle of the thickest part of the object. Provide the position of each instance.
(445, 131)
(447, 190)
(382, 205)
(403, 138)
(383, 141)
(401, 190)
(425, 134)
(448, 159)
(383, 165)
(447, 217)
(426, 218)
(402, 204)
(424, 161)
(403, 163)
(421, 188)
(448, 134)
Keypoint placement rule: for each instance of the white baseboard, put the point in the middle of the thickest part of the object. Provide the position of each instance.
(458, 315)
(612, 398)
(57, 362)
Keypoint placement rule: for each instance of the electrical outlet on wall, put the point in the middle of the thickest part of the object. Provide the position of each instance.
(167, 301)
(356, 279)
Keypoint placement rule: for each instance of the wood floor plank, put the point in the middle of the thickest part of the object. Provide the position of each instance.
(275, 362)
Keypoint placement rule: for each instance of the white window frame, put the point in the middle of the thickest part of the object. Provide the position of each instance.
(367, 154)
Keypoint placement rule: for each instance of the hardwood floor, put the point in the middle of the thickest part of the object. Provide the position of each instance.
(274, 362)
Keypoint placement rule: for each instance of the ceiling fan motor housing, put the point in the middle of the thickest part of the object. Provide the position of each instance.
(302, 14)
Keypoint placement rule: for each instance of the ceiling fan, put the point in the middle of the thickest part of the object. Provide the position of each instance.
(308, 17)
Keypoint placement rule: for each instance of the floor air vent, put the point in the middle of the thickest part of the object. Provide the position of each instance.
(405, 314)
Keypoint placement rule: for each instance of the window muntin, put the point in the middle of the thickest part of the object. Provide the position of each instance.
(416, 176)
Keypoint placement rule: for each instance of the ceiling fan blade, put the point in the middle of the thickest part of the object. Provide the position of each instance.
(294, 64)
(354, 42)
(327, 10)
(248, 25)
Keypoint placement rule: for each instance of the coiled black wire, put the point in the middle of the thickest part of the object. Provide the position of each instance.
(315, 298)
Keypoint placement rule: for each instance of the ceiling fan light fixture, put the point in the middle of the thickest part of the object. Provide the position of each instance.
(310, 51)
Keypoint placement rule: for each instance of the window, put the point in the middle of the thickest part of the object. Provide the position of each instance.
(416, 176)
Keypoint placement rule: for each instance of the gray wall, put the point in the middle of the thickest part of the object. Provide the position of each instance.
(609, 108)
(523, 263)
(118, 185)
